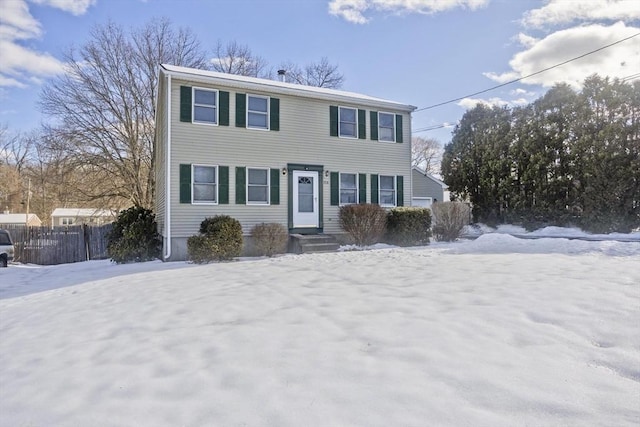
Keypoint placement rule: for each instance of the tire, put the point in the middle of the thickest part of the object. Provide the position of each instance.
(3, 261)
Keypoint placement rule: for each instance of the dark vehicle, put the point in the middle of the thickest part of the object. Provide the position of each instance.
(6, 248)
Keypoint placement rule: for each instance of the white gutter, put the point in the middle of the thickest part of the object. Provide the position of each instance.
(167, 178)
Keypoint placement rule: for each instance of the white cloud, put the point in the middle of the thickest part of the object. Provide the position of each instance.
(354, 10)
(565, 12)
(620, 60)
(75, 7)
(470, 103)
(20, 64)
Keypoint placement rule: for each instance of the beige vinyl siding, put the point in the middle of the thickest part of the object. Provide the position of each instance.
(303, 138)
(160, 155)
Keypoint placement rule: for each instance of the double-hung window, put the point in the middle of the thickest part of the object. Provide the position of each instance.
(257, 112)
(205, 106)
(386, 127)
(257, 186)
(205, 188)
(348, 122)
(387, 190)
(67, 221)
(348, 188)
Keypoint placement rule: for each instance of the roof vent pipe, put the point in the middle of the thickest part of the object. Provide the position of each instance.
(282, 73)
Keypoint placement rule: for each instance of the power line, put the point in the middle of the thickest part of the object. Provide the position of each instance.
(434, 127)
(527, 76)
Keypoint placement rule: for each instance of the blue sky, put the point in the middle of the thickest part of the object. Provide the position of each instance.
(420, 52)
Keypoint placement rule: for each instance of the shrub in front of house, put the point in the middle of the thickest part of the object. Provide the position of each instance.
(134, 237)
(270, 239)
(220, 239)
(408, 226)
(449, 219)
(365, 223)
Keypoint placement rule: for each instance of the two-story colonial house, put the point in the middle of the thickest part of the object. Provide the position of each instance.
(268, 151)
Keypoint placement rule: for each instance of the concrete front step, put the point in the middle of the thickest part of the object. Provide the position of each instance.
(310, 243)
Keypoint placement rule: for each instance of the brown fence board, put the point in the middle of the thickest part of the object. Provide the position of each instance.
(58, 245)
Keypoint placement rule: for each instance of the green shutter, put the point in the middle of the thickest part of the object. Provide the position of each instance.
(333, 120)
(362, 124)
(185, 183)
(275, 186)
(398, 128)
(374, 125)
(400, 191)
(241, 186)
(223, 120)
(241, 110)
(335, 189)
(274, 117)
(185, 106)
(374, 189)
(223, 185)
(362, 188)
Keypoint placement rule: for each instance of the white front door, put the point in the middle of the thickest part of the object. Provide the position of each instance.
(305, 199)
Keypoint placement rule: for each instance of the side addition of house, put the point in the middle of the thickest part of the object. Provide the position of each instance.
(268, 151)
(427, 189)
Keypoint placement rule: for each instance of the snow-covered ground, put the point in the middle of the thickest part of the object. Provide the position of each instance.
(497, 331)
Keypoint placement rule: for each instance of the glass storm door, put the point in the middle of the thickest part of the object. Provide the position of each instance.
(305, 199)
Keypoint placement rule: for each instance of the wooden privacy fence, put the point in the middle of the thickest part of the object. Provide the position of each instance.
(59, 245)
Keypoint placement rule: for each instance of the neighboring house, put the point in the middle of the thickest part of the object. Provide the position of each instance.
(268, 151)
(81, 216)
(427, 189)
(20, 219)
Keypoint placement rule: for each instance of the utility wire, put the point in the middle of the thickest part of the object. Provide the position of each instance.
(527, 76)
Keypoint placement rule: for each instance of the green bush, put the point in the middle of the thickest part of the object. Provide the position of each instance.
(200, 249)
(134, 237)
(408, 226)
(270, 239)
(365, 223)
(449, 219)
(220, 239)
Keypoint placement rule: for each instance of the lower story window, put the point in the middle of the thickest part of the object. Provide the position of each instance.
(67, 221)
(387, 190)
(258, 186)
(348, 188)
(205, 189)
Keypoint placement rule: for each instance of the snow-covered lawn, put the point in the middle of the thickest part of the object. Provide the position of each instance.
(492, 332)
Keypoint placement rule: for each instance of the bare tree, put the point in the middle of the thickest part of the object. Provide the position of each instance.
(426, 154)
(105, 104)
(235, 58)
(319, 74)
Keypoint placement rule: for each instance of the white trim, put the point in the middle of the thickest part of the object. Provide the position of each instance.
(258, 112)
(340, 188)
(393, 132)
(193, 105)
(217, 184)
(167, 178)
(256, 84)
(268, 202)
(340, 122)
(429, 199)
(395, 191)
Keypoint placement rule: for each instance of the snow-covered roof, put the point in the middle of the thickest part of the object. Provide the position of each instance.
(81, 212)
(428, 175)
(282, 87)
(18, 218)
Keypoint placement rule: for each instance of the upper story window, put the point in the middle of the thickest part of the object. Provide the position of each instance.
(257, 112)
(348, 188)
(205, 106)
(387, 190)
(205, 188)
(67, 221)
(386, 127)
(257, 186)
(348, 122)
